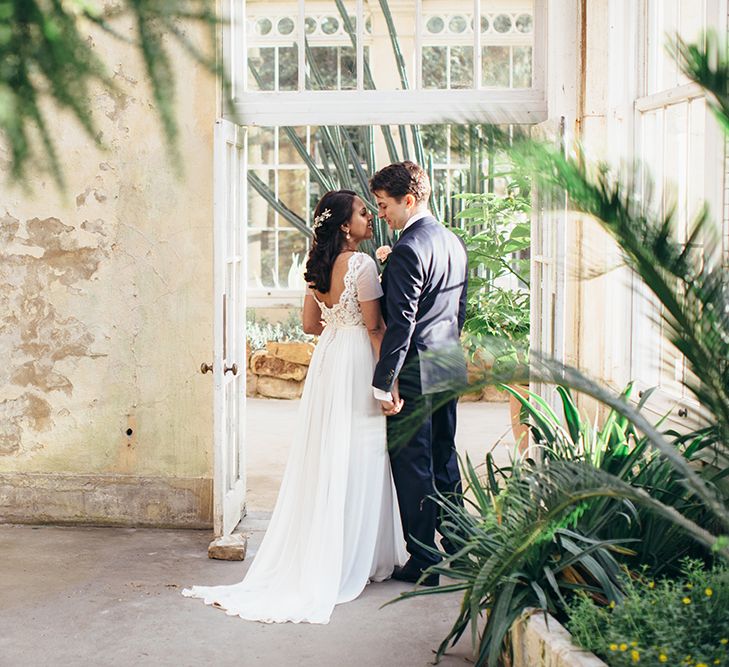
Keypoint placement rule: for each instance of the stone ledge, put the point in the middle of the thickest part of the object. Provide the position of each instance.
(537, 642)
(106, 500)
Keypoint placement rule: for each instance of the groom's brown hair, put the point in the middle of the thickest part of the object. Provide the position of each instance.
(400, 179)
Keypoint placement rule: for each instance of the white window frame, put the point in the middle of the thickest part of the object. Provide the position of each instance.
(666, 399)
(365, 107)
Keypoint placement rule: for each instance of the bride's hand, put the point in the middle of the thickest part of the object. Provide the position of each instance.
(393, 407)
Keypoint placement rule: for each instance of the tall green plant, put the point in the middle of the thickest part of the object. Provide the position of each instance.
(496, 231)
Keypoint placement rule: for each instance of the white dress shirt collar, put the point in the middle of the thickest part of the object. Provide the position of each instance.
(414, 218)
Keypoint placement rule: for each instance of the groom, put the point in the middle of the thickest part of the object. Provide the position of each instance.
(424, 306)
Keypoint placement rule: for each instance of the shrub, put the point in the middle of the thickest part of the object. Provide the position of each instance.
(261, 331)
(682, 621)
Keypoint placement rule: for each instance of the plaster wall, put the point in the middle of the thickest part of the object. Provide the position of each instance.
(105, 314)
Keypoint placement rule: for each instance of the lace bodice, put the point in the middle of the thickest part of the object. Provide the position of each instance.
(360, 284)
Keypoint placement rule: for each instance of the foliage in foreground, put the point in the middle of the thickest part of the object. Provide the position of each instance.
(46, 54)
(534, 533)
(681, 621)
(512, 548)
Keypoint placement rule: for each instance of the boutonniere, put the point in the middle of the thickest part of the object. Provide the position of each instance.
(382, 253)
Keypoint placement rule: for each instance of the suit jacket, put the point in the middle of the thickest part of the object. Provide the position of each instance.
(424, 306)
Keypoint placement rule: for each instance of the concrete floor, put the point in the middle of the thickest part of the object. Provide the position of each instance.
(110, 596)
(482, 428)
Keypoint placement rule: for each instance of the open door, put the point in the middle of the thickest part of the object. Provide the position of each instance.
(229, 361)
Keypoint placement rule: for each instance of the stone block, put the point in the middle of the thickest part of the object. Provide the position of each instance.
(295, 352)
(271, 387)
(229, 547)
(493, 395)
(470, 398)
(251, 384)
(263, 363)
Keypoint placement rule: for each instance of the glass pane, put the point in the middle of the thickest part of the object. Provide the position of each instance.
(495, 66)
(460, 143)
(288, 68)
(348, 68)
(315, 194)
(522, 59)
(261, 68)
(369, 83)
(290, 147)
(331, 60)
(261, 258)
(461, 67)
(697, 158)
(502, 23)
(675, 160)
(385, 69)
(292, 248)
(435, 67)
(507, 40)
(435, 142)
(260, 145)
(292, 192)
(322, 68)
(260, 214)
(524, 23)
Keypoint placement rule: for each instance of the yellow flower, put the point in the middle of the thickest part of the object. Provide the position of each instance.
(724, 640)
(623, 647)
(634, 644)
(686, 600)
(662, 657)
(651, 584)
(635, 656)
(613, 647)
(717, 661)
(709, 592)
(689, 586)
(701, 664)
(612, 604)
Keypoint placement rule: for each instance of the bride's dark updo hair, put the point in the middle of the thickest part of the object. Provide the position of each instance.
(328, 237)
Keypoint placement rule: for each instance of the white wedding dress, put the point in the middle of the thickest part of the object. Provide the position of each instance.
(336, 524)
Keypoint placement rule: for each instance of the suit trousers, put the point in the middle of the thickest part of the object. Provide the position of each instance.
(421, 442)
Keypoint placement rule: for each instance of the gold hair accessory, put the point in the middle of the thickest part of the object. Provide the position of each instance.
(319, 220)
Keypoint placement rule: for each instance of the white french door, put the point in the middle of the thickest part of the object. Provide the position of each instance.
(229, 361)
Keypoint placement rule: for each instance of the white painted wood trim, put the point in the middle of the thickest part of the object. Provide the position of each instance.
(665, 98)
(372, 107)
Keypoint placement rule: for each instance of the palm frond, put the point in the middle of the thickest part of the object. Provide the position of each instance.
(688, 279)
(47, 55)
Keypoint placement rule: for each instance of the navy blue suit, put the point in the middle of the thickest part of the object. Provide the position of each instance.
(424, 306)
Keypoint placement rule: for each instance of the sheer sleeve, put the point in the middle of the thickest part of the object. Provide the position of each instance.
(368, 280)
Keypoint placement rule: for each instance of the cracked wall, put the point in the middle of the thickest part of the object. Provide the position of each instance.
(106, 315)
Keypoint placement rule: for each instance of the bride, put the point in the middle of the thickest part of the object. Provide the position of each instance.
(336, 524)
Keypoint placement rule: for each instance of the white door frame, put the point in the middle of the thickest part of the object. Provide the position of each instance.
(229, 360)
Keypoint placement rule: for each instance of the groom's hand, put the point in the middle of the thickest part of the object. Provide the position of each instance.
(391, 408)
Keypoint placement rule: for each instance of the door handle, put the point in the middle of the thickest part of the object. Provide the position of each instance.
(206, 368)
(233, 369)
